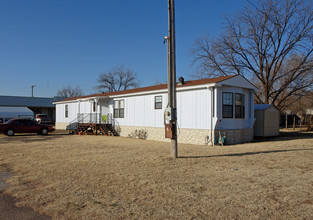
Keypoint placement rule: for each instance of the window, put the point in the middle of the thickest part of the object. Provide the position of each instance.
(116, 106)
(119, 108)
(227, 105)
(94, 106)
(66, 111)
(239, 105)
(16, 123)
(158, 102)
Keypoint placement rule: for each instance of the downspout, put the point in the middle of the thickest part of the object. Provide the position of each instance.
(211, 88)
(78, 114)
(96, 100)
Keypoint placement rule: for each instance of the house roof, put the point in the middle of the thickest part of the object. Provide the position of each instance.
(154, 88)
(261, 106)
(22, 101)
(14, 111)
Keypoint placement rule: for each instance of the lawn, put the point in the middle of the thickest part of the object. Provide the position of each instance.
(100, 177)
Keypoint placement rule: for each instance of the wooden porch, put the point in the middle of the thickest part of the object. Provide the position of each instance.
(94, 129)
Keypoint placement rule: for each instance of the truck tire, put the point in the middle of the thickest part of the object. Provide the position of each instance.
(44, 131)
(10, 132)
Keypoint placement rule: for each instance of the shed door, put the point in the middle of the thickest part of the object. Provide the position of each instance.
(271, 122)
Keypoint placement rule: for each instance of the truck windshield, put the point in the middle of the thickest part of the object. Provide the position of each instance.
(8, 122)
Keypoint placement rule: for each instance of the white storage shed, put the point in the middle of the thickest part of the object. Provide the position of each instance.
(266, 120)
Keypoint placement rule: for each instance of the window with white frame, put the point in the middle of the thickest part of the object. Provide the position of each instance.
(158, 102)
(227, 110)
(66, 111)
(239, 105)
(119, 108)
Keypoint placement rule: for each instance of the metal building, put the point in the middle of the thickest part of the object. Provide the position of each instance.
(38, 105)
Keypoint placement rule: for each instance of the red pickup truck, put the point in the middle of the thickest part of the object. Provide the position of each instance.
(22, 125)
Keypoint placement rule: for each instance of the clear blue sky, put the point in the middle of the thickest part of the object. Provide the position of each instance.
(55, 43)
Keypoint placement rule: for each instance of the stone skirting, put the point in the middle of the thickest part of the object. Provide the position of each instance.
(61, 125)
(235, 136)
(188, 136)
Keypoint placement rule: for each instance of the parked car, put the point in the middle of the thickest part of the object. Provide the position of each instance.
(22, 125)
(42, 119)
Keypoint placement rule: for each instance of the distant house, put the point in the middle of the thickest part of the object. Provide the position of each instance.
(206, 108)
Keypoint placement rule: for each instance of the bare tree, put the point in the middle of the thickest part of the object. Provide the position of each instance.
(117, 79)
(68, 91)
(159, 82)
(269, 43)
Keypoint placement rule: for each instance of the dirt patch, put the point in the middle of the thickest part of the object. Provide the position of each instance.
(100, 177)
(3, 176)
(8, 210)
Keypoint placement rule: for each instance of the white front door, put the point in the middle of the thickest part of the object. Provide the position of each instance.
(104, 107)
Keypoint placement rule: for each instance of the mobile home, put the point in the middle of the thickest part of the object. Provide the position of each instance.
(206, 109)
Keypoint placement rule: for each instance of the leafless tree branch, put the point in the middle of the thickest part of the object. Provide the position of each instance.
(270, 43)
(117, 79)
(68, 91)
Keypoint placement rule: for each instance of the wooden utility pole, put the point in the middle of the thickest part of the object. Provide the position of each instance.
(172, 77)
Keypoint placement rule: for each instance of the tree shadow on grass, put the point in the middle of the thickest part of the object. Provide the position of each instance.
(286, 136)
(248, 153)
(27, 138)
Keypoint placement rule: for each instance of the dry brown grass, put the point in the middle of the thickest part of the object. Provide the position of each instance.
(97, 177)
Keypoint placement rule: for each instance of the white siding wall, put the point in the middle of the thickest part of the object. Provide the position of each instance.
(85, 107)
(72, 112)
(73, 109)
(193, 110)
(139, 111)
(237, 81)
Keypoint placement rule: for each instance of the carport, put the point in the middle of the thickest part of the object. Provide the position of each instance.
(39, 105)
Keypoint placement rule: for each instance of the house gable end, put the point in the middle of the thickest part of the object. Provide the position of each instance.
(237, 81)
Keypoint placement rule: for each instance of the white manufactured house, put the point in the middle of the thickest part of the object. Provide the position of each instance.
(206, 109)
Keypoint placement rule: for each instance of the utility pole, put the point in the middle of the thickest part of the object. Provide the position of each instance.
(33, 90)
(172, 78)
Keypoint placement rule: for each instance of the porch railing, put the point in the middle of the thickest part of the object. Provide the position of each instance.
(89, 118)
(94, 118)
